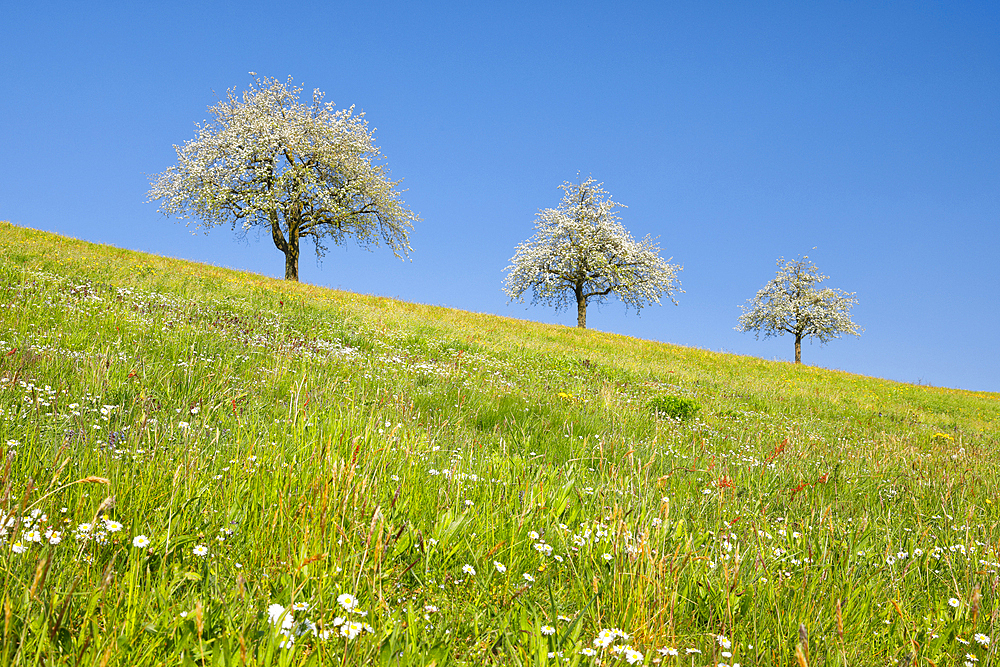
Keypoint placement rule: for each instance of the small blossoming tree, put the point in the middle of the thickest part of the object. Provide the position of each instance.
(581, 249)
(296, 169)
(792, 303)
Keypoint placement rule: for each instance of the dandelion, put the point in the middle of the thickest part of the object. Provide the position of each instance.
(547, 630)
(501, 568)
(200, 550)
(140, 541)
(347, 601)
(469, 570)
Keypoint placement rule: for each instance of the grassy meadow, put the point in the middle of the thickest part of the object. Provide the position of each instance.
(200, 466)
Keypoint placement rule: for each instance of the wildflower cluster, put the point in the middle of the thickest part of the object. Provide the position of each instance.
(606, 641)
(291, 629)
(35, 529)
(98, 532)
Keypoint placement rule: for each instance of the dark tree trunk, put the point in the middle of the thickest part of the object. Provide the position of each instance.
(292, 261)
(581, 309)
(798, 348)
(289, 247)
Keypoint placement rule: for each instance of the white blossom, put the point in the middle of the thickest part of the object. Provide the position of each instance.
(351, 629)
(582, 249)
(277, 614)
(296, 169)
(791, 303)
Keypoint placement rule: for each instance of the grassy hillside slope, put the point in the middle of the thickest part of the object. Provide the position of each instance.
(204, 466)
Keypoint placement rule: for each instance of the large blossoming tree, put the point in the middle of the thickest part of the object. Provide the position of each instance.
(793, 303)
(299, 170)
(580, 250)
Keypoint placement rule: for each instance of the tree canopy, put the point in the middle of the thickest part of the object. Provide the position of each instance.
(296, 169)
(792, 303)
(581, 250)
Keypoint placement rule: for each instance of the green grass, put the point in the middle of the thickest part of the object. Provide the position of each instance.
(319, 443)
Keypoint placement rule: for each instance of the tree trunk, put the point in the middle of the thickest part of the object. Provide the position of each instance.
(292, 261)
(289, 247)
(581, 309)
(798, 348)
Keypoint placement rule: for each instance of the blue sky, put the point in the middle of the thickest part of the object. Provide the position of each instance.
(865, 135)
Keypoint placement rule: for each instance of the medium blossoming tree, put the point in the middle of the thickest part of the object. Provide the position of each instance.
(580, 250)
(296, 169)
(793, 303)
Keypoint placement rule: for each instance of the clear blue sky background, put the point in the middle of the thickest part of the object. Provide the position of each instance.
(735, 132)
